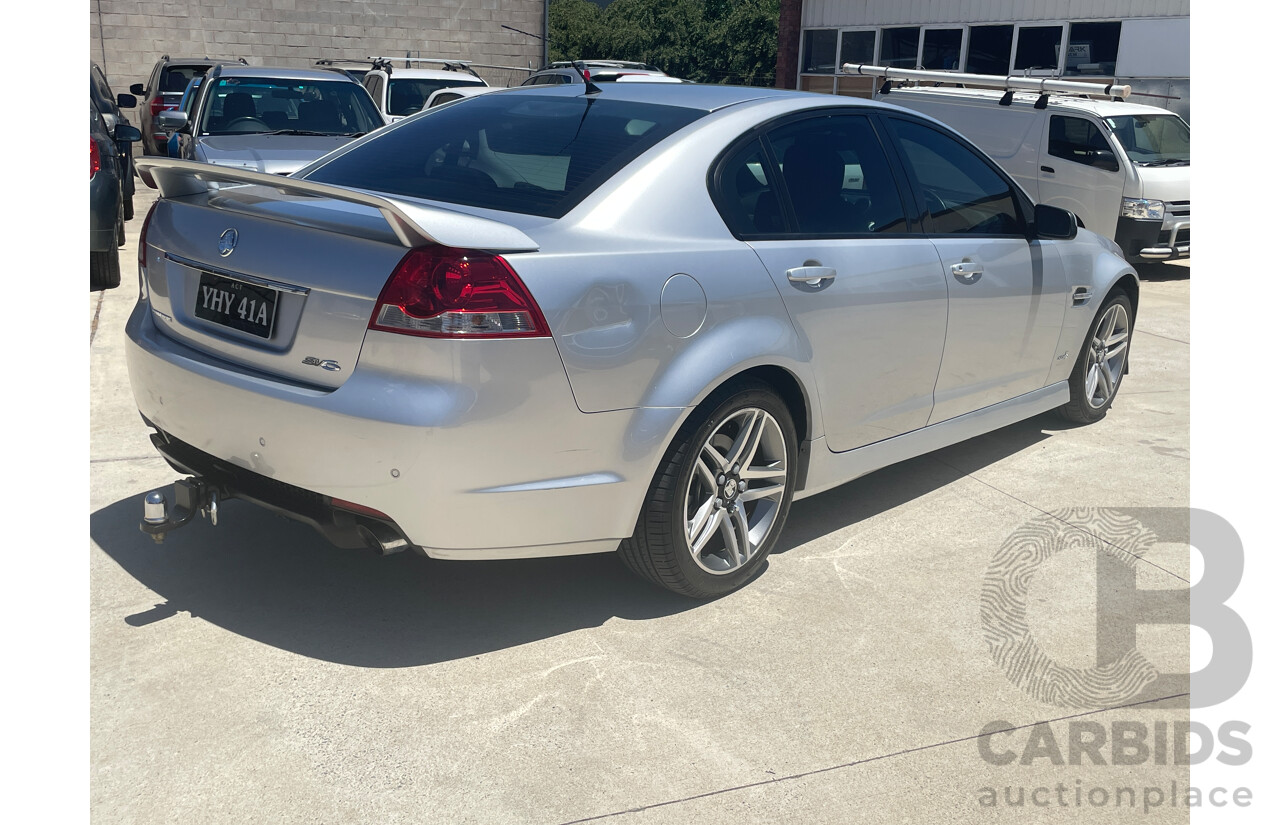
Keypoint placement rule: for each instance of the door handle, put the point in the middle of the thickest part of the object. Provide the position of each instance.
(1048, 169)
(810, 275)
(967, 271)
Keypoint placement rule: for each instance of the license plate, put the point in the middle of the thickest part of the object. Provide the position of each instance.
(236, 304)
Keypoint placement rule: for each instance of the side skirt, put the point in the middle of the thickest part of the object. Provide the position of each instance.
(828, 469)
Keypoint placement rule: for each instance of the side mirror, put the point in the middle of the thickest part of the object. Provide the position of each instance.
(1104, 159)
(171, 121)
(126, 101)
(128, 134)
(138, 89)
(1054, 224)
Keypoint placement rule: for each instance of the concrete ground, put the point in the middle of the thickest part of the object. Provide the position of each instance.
(252, 673)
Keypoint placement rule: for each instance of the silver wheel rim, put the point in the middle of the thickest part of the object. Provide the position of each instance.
(739, 481)
(1106, 356)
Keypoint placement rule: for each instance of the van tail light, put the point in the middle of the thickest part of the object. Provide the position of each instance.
(95, 159)
(442, 292)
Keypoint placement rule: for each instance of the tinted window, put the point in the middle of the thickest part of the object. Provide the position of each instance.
(1092, 48)
(1075, 139)
(176, 78)
(837, 178)
(989, 49)
(1038, 47)
(961, 190)
(408, 94)
(819, 51)
(941, 49)
(857, 47)
(898, 47)
(538, 155)
(748, 198)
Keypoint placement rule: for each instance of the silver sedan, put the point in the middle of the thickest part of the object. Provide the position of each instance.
(638, 318)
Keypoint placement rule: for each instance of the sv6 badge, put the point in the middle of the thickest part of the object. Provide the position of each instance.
(327, 364)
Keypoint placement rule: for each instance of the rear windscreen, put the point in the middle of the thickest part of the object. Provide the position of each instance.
(534, 155)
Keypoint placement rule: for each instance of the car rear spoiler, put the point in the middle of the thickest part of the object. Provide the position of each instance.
(180, 178)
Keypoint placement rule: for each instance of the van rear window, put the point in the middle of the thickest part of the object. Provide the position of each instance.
(531, 154)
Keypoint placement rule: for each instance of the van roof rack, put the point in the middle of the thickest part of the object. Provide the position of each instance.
(1045, 86)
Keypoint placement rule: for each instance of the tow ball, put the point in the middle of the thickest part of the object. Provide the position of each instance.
(190, 496)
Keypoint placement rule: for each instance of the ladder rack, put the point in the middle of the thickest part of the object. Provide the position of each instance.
(1044, 86)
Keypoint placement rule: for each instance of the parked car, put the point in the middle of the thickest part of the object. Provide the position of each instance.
(106, 196)
(110, 106)
(597, 71)
(451, 93)
(174, 143)
(273, 120)
(1123, 168)
(647, 319)
(356, 68)
(162, 91)
(401, 92)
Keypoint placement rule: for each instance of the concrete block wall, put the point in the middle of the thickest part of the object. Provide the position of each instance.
(128, 36)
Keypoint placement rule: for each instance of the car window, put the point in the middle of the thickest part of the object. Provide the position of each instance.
(247, 105)
(409, 94)
(99, 92)
(374, 84)
(837, 177)
(961, 190)
(176, 78)
(519, 153)
(747, 196)
(1075, 139)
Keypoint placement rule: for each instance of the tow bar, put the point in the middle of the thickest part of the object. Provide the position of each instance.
(190, 496)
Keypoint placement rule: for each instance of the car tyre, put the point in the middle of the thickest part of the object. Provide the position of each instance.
(725, 484)
(1102, 363)
(104, 266)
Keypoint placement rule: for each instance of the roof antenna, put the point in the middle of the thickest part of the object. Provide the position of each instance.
(592, 89)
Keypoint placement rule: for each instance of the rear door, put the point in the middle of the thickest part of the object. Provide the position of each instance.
(818, 201)
(1007, 294)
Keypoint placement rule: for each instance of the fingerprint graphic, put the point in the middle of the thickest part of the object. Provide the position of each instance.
(1004, 608)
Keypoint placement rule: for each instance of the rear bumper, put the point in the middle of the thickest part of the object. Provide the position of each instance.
(478, 452)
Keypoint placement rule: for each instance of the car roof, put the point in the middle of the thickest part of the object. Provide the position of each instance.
(282, 73)
(704, 96)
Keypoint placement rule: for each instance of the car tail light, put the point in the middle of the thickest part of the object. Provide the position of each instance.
(142, 251)
(158, 105)
(442, 292)
(95, 160)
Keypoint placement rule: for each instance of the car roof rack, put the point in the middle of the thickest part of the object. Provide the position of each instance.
(1045, 86)
(450, 63)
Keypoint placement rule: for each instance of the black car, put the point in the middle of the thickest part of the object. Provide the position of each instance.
(106, 198)
(110, 107)
(162, 91)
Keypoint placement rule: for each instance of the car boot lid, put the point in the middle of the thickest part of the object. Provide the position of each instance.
(413, 224)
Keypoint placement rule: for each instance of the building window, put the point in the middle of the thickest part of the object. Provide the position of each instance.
(857, 47)
(1038, 48)
(819, 52)
(1092, 48)
(941, 48)
(989, 49)
(899, 48)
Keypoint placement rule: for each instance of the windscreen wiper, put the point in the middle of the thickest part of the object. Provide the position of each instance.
(301, 132)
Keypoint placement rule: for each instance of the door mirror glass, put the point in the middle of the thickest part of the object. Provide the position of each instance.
(138, 89)
(1055, 224)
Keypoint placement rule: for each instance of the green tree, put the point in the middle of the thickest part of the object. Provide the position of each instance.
(709, 41)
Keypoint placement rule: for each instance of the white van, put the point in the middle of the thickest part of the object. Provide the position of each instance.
(1123, 168)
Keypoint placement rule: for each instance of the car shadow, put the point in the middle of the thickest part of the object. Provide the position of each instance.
(276, 581)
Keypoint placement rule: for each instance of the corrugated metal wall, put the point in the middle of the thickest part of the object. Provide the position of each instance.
(836, 13)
